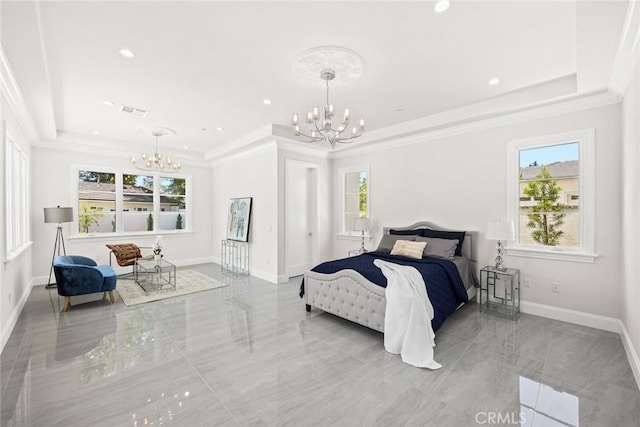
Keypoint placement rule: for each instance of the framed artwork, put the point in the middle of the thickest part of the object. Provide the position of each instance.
(239, 219)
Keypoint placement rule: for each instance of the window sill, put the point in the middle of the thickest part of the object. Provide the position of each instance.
(558, 255)
(17, 253)
(111, 236)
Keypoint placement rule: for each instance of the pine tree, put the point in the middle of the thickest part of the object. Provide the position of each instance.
(546, 217)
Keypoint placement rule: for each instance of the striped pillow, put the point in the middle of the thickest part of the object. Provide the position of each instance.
(409, 249)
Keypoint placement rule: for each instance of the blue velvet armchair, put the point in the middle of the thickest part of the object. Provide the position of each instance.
(79, 275)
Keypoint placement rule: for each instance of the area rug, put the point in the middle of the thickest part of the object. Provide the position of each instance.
(187, 282)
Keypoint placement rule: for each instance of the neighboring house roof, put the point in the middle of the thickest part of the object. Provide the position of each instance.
(107, 192)
(569, 169)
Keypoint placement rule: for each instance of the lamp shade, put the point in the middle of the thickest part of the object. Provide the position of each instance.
(362, 224)
(58, 215)
(500, 230)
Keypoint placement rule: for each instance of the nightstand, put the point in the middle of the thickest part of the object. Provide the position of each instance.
(500, 291)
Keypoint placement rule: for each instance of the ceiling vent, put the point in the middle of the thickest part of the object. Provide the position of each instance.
(133, 111)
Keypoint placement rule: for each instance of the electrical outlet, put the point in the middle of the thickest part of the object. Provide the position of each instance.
(527, 282)
(555, 287)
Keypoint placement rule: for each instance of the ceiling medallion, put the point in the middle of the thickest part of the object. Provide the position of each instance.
(346, 64)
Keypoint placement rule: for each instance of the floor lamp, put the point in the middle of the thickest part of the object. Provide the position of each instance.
(57, 215)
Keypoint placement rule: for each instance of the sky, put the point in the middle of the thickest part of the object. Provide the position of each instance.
(551, 154)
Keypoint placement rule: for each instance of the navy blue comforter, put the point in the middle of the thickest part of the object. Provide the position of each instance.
(444, 285)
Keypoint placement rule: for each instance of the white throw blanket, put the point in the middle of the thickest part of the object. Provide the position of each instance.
(407, 320)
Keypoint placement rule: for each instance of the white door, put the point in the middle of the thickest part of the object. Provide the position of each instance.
(300, 216)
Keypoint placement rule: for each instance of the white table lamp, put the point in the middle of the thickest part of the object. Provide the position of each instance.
(362, 225)
(500, 230)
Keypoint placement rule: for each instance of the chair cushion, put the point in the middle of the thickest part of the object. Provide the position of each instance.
(126, 253)
(110, 278)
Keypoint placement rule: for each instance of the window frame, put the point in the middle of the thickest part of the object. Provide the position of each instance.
(119, 201)
(586, 251)
(17, 197)
(343, 233)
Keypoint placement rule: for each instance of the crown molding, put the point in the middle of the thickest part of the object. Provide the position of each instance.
(552, 108)
(303, 148)
(13, 95)
(240, 145)
(77, 144)
(628, 54)
(257, 148)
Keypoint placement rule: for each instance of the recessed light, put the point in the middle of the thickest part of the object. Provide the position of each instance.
(266, 101)
(109, 103)
(441, 6)
(186, 147)
(494, 81)
(203, 129)
(127, 53)
(219, 128)
(95, 132)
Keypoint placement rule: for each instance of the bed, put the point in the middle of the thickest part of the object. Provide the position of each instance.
(351, 289)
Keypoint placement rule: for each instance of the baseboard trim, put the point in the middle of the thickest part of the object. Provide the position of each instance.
(283, 278)
(632, 355)
(593, 321)
(269, 277)
(13, 319)
(572, 316)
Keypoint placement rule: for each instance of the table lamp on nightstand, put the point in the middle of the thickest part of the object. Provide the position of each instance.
(500, 230)
(362, 225)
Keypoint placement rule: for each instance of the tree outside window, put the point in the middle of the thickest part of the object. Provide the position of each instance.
(549, 196)
(356, 198)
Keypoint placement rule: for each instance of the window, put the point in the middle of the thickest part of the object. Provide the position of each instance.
(121, 202)
(17, 236)
(551, 186)
(355, 197)
(173, 203)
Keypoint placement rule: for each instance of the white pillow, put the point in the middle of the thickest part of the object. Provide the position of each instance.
(409, 249)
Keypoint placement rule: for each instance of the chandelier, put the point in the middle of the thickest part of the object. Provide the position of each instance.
(321, 128)
(156, 162)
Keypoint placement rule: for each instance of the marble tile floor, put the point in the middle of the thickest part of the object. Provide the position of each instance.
(249, 354)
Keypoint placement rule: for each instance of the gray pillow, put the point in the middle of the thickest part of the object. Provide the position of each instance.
(438, 248)
(388, 240)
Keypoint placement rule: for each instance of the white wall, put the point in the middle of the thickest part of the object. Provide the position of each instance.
(252, 175)
(460, 183)
(630, 209)
(53, 184)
